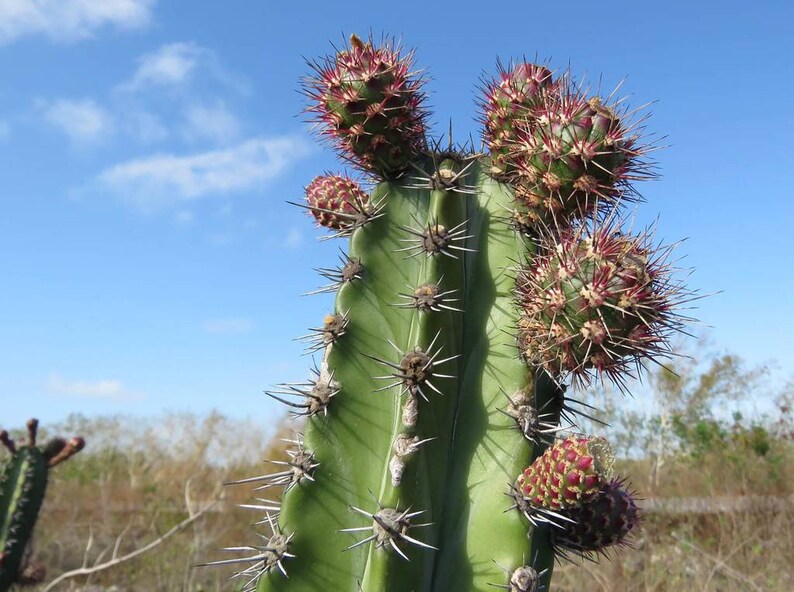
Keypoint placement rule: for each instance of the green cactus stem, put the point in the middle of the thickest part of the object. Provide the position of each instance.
(461, 314)
(23, 485)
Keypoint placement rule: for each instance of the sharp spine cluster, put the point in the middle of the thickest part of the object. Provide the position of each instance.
(299, 468)
(389, 527)
(266, 558)
(429, 297)
(435, 239)
(315, 395)
(350, 270)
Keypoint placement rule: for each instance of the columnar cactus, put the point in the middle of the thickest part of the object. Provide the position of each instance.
(23, 484)
(476, 286)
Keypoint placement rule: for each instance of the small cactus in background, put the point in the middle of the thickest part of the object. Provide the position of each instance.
(23, 485)
(435, 455)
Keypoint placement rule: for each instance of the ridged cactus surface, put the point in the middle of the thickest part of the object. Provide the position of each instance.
(476, 287)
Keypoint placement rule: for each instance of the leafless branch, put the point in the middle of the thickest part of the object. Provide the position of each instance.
(720, 564)
(116, 559)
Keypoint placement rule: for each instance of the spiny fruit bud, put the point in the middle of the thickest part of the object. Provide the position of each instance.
(336, 201)
(570, 154)
(594, 301)
(568, 473)
(369, 102)
(507, 99)
(604, 520)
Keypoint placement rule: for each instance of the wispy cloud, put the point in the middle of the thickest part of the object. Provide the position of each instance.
(211, 122)
(178, 92)
(175, 66)
(294, 239)
(83, 121)
(69, 20)
(184, 218)
(113, 390)
(145, 127)
(228, 326)
(170, 65)
(166, 180)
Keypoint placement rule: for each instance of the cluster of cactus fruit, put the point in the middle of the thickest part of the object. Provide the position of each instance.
(440, 451)
(23, 484)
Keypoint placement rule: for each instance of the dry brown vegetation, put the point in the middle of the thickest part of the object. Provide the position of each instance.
(133, 483)
(689, 544)
(727, 524)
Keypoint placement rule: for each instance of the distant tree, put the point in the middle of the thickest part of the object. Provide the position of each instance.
(689, 407)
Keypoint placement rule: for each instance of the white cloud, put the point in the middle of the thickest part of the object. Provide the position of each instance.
(170, 65)
(294, 239)
(219, 239)
(164, 180)
(69, 20)
(214, 123)
(184, 218)
(175, 66)
(113, 390)
(228, 326)
(145, 126)
(82, 121)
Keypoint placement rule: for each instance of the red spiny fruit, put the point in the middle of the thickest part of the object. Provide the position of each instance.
(369, 102)
(595, 301)
(336, 201)
(568, 473)
(507, 99)
(604, 520)
(570, 154)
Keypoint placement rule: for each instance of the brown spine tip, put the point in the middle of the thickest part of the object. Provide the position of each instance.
(33, 428)
(356, 42)
(7, 442)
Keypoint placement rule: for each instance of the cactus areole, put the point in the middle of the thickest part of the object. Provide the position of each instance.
(476, 288)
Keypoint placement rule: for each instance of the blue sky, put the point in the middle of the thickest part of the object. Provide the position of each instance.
(149, 260)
